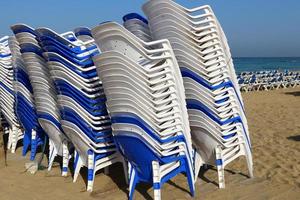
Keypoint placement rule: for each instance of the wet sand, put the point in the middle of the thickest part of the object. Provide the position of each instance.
(274, 121)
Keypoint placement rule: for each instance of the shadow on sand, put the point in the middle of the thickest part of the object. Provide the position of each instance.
(208, 167)
(143, 188)
(296, 94)
(4, 147)
(294, 138)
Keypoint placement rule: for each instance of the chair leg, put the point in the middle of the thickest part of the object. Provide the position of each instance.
(91, 170)
(266, 89)
(220, 167)
(20, 134)
(52, 154)
(14, 139)
(129, 169)
(65, 158)
(249, 164)
(156, 180)
(75, 159)
(9, 132)
(190, 174)
(77, 166)
(26, 143)
(258, 88)
(125, 168)
(250, 167)
(33, 145)
(133, 180)
(198, 163)
(284, 86)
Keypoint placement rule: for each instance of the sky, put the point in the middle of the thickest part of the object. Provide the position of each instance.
(254, 28)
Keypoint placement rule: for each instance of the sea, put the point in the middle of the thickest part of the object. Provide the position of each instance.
(243, 64)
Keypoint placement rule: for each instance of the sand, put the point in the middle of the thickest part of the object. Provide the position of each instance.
(274, 121)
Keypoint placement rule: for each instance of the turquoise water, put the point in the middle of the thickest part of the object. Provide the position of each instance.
(259, 64)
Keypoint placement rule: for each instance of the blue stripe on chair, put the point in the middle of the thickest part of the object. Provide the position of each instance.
(29, 47)
(197, 105)
(190, 74)
(134, 16)
(130, 118)
(219, 162)
(6, 88)
(82, 31)
(50, 118)
(22, 28)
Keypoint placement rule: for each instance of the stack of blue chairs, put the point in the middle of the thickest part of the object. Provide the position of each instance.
(146, 102)
(44, 93)
(80, 99)
(25, 106)
(7, 101)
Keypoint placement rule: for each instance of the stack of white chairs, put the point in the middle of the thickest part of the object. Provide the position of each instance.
(25, 106)
(146, 102)
(216, 111)
(81, 100)
(137, 25)
(7, 100)
(44, 93)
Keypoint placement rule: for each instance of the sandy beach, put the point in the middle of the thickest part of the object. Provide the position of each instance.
(274, 121)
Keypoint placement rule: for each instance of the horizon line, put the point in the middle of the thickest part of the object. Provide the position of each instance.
(265, 56)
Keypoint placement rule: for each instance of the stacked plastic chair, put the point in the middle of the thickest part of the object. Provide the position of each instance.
(25, 106)
(137, 25)
(7, 101)
(267, 80)
(80, 99)
(216, 111)
(146, 102)
(44, 93)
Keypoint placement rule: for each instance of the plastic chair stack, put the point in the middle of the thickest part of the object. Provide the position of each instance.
(7, 101)
(25, 105)
(216, 111)
(44, 93)
(146, 102)
(137, 25)
(80, 99)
